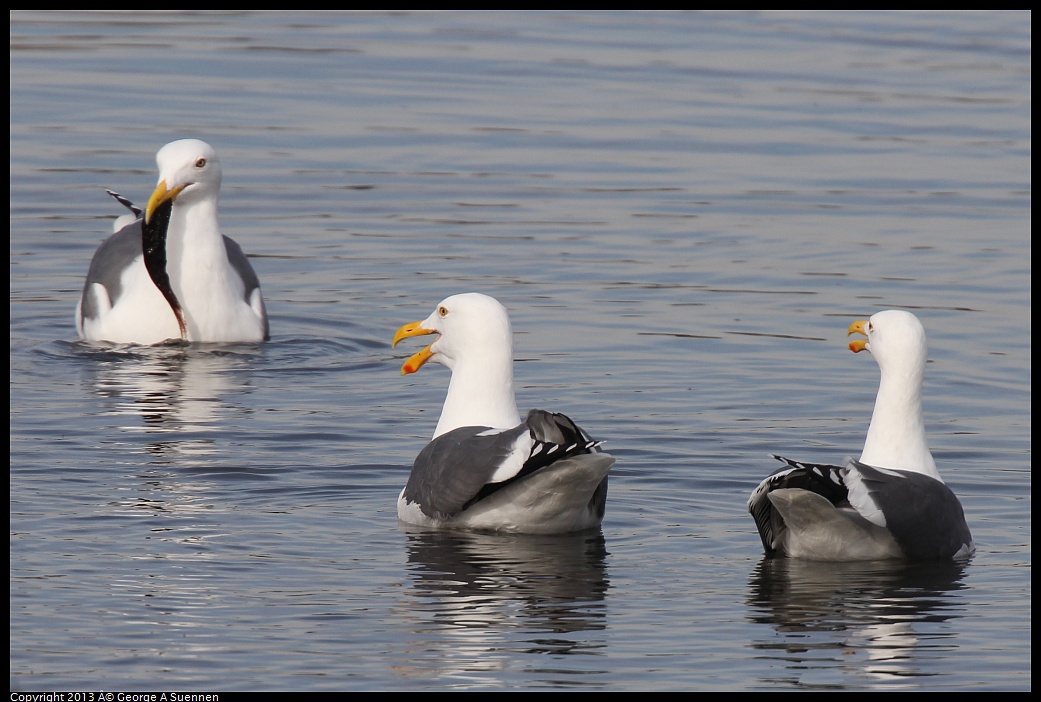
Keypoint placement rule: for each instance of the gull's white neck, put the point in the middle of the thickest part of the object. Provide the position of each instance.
(480, 393)
(201, 277)
(896, 436)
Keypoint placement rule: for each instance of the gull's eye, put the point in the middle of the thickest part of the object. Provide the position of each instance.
(442, 311)
(201, 163)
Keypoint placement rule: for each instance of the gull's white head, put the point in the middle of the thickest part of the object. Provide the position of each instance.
(895, 338)
(476, 342)
(189, 171)
(472, 328)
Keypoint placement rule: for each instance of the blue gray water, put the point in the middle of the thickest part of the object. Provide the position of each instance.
(683, 213)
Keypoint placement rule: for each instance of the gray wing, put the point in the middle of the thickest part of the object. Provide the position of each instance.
(111, 258)
(456, 469)
(115, 255)
(922, 513)
(450, 472)
(240, 263)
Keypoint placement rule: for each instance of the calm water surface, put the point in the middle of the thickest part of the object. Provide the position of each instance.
(683, 213)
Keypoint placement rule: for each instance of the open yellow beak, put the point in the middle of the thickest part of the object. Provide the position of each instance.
(858, 327)
(161, 195)
(416, 360)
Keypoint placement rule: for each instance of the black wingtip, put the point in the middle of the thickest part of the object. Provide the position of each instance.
(125, 202)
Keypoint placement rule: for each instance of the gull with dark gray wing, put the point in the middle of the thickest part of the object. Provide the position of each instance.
(485, 468)
(891, 503)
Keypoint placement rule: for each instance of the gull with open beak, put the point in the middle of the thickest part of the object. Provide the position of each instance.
(892, 502)
(485, 468)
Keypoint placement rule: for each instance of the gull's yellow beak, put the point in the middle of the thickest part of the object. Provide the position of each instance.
(161, 195)
(416, 360)
(858, 327)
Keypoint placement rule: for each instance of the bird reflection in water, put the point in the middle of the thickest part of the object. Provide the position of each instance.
(866, 622)
(176, 404)
(474, 595)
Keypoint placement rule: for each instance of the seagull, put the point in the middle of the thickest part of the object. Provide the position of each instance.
(168, 273)
(889, 504)
(485, 469)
